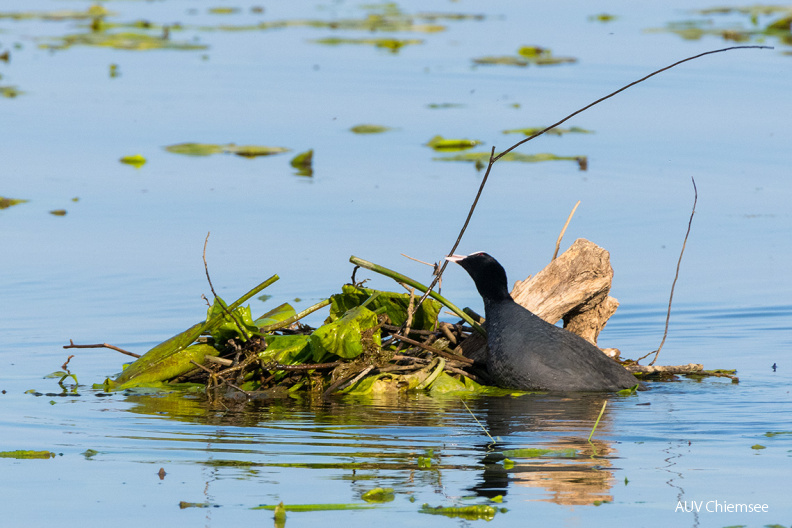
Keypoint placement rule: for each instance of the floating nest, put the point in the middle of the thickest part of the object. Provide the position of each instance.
(376, 341)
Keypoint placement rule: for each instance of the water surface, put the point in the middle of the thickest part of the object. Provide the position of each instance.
(124, 265)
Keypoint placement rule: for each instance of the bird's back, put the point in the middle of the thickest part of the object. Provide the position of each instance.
(528, 353)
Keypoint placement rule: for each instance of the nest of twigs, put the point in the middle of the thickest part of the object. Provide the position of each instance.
(407, 356)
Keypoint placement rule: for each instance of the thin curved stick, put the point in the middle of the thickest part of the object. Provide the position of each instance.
(494, 158)
(676, 276)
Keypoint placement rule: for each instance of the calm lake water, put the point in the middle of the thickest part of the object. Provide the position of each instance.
(124, 266)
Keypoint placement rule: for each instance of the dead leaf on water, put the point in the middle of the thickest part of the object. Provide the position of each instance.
(369, 129)
(58, 212)
(223, 10)
(10, 91)
(603, 17)
(5, 203)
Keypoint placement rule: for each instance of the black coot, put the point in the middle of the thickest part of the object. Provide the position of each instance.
(528, 353)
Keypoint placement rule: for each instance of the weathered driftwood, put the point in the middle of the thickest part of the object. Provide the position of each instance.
(573, 287)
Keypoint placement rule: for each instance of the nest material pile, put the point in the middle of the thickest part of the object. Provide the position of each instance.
(376, 341)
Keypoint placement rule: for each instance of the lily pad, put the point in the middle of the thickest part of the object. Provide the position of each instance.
(482, 158)
(95, 11)
(378, 495)
(26, 454)
(207, 149)
(557, 131)
(441, 143)
(313, 507)
(391, 44)
(123, 40)
(136, 160)
(480, 511)
(253, 151)
(195, 149)
(223, 10)
(507, 60)
(526, 55)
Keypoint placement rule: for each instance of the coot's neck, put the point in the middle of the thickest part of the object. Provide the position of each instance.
(491, 284)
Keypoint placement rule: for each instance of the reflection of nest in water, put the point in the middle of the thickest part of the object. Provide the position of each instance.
(582, 480)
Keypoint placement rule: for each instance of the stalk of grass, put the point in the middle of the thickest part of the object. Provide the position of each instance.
(598, 420)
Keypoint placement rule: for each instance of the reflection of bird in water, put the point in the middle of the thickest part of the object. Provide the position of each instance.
(528, 353)
(565, 469)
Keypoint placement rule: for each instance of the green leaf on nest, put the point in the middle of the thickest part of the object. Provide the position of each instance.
(394, 305)
(345, 337)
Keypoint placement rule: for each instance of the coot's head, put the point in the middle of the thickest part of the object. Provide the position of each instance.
(487, 273)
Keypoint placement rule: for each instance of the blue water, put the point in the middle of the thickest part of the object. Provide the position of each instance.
(124, 265)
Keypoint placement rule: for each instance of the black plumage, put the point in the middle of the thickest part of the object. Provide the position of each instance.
(528, 353)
